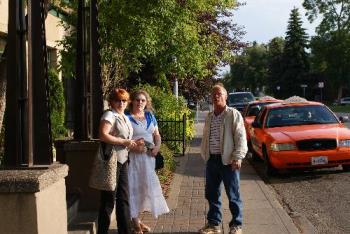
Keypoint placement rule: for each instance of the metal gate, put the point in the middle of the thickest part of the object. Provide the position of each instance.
(174, 132)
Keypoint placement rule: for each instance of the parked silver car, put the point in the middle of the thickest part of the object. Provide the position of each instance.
(240, 99)
(345, 101)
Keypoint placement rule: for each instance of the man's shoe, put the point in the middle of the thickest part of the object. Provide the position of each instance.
(235, 230)
(210, 229)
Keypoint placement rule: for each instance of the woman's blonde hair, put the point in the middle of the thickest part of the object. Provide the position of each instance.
(134, 96)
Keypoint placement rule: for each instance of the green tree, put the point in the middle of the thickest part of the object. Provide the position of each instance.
(249, 69)
(274, 61)
(142, 41)
(331, 47)
(56, 104)
(295, 58)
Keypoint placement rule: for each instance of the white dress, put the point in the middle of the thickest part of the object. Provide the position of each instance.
(144, 187)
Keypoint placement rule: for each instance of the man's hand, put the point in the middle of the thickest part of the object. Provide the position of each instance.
(236, 164)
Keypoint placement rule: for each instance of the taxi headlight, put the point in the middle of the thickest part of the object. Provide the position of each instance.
(282, 146)
(344, 143)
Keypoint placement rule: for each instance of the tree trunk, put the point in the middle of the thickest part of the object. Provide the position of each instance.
(340, 92)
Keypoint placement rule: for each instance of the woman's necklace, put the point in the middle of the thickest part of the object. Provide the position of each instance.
(140, 117)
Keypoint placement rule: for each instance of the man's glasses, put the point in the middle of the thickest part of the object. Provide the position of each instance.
(140, 100)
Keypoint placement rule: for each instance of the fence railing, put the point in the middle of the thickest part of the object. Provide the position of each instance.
(174, 132)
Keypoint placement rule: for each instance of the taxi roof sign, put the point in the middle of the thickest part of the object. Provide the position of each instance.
(295, 99)
(266, 98)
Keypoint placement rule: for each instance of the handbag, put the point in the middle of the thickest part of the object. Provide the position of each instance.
(159, 161)
(104, 169)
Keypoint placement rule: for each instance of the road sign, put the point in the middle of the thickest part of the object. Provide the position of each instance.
(303, 85)
(320, 84)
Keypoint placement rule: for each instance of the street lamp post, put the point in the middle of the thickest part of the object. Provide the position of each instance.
(176, 88)
(321, 85)
(176, 83)
(304, 86)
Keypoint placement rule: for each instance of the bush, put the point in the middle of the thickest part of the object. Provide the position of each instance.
(57, 105)
(165, 175)
(2, 143)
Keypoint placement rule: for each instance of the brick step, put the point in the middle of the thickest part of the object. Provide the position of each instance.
(84, 223)
(73, 200)
(79, 222)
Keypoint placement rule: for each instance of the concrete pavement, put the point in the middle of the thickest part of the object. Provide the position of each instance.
(262, 213)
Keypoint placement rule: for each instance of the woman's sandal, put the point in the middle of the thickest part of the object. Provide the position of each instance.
(144, 227)
(137, 230)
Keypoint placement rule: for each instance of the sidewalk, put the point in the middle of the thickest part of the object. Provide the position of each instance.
(262, 213)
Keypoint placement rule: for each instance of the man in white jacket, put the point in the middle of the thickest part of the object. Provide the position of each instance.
(223, 147)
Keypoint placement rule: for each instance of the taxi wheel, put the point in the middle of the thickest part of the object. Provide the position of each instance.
(270, 171)
(346, 168)
(255, 156)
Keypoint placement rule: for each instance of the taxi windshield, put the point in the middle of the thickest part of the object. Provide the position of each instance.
(299, 115)
(254, 109)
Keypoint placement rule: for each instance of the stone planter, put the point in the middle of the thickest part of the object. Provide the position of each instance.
(79, 156)
(33, 200)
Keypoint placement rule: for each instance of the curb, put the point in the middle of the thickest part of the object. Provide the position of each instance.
(303, 223)
(282, 213)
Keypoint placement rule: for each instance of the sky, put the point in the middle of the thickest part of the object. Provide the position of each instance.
(266, 19)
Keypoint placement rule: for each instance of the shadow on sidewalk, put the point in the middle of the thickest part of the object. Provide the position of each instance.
(196, 142)
(114, 231)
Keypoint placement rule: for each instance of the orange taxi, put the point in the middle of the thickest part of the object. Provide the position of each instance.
(297, 133)
(252, 110)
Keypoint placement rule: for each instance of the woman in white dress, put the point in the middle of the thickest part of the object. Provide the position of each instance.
(144, 187)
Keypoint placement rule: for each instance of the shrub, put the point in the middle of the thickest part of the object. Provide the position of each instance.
(2, 143)
(57, 105)
(165, 175)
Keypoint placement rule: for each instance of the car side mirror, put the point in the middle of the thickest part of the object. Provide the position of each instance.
(344, 119)
(255, 124)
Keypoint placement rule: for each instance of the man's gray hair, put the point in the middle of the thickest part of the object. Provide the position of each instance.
(219, 86)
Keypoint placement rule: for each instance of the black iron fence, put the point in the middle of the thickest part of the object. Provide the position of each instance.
(173, 132)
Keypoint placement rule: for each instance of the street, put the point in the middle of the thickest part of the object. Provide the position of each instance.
(321, 197)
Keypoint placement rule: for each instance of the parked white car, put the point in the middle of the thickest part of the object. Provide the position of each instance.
(345, 101)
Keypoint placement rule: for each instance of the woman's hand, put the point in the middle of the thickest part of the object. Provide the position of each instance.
(155, 151)
(139, 146)
(130, 143)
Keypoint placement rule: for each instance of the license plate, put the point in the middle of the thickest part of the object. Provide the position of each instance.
(319, 160)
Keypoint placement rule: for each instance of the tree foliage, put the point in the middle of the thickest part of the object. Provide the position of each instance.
(163, 39)
(249, 70)
(335, 14)
(56, 104)
(295, 58)
(275, 67)
(331, 47)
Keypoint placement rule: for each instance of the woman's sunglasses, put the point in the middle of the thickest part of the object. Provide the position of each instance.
(120, 100)
(140, 100)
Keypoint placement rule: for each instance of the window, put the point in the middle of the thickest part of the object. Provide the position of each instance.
(52, 58)
(2, 45)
